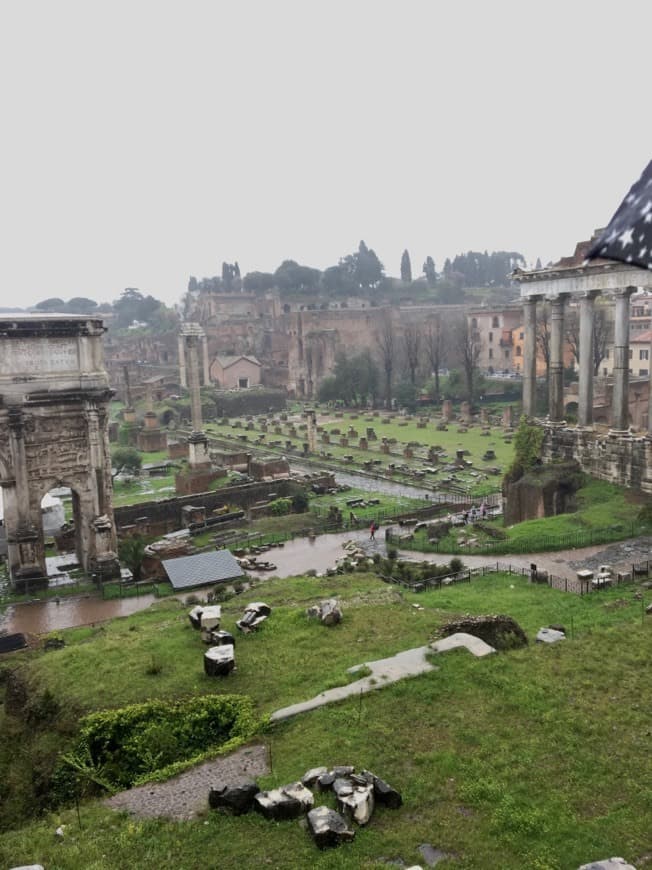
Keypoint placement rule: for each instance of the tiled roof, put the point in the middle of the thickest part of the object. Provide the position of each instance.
(202, 569)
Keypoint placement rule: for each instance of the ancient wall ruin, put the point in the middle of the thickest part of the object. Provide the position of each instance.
(623, 459)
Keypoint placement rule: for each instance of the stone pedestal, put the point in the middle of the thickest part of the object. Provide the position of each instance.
(447, 410)
(152, 438)
(363, 444)
(198, 456)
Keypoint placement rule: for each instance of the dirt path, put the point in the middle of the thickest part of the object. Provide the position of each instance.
(186, 795)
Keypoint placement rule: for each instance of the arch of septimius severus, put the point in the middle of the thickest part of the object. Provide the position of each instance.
(54, 398)
(620, 455)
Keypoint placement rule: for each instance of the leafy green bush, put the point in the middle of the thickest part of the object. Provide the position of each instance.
(116, 749)
(528, 442)
(280, 507)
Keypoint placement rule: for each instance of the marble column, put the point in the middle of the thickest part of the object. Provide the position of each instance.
(207, 370)
(193, 382)
(529, 355)
(25, 550)
(620, 405)
(556, 389)
(587, 306)
(182, 363)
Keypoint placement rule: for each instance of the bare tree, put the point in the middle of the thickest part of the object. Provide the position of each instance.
(467, 345)
(411, 348)
(435, 347)
(387, 351)
(602, 334)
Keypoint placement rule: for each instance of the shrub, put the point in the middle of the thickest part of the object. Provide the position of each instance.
(300, 502)
(116, 749)
(280, 507)
(456, 565)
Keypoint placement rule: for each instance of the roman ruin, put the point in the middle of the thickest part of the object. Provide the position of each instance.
(619, 454)
(54, 403)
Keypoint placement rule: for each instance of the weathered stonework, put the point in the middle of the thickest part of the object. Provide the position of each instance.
(54, 398)
(618, 457)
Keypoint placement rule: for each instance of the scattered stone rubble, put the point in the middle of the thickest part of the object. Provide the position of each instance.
(255, 614)
(357, 795)
(219, 661)
(550, 635)
(608, 864)
(328, 612)
(500, 632)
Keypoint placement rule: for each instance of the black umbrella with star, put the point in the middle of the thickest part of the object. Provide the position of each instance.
(629, 235)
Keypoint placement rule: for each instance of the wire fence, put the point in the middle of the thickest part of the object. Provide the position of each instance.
(565, 584)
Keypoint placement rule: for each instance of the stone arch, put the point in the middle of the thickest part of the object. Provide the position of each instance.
(54, 399)
(80, 509)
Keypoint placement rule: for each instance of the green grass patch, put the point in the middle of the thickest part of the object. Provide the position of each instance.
(531, 758)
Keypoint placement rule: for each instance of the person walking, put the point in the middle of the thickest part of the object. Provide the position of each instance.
(372, 531)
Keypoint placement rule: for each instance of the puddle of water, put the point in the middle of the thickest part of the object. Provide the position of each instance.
(41, 617)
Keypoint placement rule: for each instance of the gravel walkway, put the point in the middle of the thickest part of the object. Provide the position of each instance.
(186, 795)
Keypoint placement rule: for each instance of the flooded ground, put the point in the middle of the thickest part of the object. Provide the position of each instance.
(319, 554)
(302, 554)
(41, 617)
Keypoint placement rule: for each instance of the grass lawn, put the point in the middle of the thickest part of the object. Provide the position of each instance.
(535, 758)
(404, 431)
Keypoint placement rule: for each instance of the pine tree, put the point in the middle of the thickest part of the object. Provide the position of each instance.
(406, 268)
(429, 271)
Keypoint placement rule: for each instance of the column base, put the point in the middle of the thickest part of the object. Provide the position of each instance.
(619, 433)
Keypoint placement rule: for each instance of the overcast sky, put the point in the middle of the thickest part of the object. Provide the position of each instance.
(143, 142)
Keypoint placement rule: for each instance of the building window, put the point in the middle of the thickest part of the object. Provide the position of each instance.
(494, 323)
(606, 353)
(517, 352)
(243, 383)
(491, 336)
(521, 336)
(644, 354)
(491, 353)
(506, 353)
(604, 372)
(631, 353)
(642, 373)
(474, 323)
